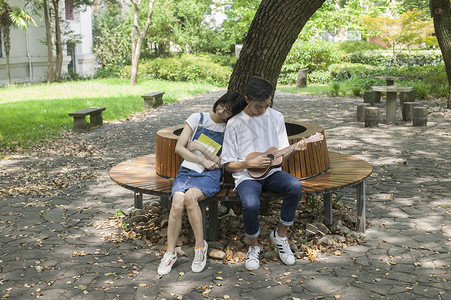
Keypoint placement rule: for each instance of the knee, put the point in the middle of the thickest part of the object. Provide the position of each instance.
(178, 202)
(251, 205)
(191, 200)
(294, 186)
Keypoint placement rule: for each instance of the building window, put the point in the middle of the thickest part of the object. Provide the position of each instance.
(69, 9)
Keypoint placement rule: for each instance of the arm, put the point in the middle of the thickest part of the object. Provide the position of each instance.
(180, 149)
(301, 145)
(261, 161)
(195, 145)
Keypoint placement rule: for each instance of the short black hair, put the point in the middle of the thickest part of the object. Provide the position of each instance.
(231, 100)
(259, 89)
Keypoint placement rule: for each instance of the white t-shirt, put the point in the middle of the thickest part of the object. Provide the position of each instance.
(245, 134)
(208, 123)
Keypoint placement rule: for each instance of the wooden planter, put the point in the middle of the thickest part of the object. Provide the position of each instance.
(310, 162)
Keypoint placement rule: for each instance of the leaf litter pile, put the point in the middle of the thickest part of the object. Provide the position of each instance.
(308, 236)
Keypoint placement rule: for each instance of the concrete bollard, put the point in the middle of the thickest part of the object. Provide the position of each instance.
(419, 116)
(301, 81)
(371, 116)
(361, 111)
(407, 111)
(372, 97)
(406, 97)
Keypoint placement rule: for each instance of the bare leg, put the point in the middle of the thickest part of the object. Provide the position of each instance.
(175, 220)
(192, 196)
(282, 230)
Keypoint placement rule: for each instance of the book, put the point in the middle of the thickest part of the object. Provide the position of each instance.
(211, 146)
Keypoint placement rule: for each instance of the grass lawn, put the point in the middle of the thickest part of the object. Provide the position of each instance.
(34, 113)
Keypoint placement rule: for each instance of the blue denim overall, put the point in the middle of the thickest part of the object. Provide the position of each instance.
(209, 180)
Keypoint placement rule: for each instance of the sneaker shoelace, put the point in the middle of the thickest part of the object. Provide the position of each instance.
(253, 253)
(198, 255)
(167, 258)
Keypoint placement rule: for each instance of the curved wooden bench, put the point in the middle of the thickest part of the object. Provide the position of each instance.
(139, 175)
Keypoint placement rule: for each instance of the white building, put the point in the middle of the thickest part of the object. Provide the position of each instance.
(28, 55)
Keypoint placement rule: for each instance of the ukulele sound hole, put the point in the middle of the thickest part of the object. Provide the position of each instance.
(271, 157)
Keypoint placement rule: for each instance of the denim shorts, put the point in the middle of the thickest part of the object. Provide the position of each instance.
(207, 181)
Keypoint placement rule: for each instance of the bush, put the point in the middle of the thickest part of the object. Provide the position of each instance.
(358, 46)
(405, 58)
(428, 81)
(316, 56)
(184, 67)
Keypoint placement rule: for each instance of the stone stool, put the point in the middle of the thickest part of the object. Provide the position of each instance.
(372, 97)
(419, 116)
(407, 111)
(371, 116)
(406, 97)
(361, 111)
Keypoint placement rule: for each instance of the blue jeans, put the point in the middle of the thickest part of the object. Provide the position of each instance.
(279, 182)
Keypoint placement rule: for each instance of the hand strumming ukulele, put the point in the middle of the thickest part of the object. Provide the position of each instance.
(276, 156)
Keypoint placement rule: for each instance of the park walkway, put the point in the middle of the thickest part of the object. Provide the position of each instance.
(54, 201)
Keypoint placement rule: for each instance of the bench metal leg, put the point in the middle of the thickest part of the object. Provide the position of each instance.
(327, 200)
(164, 201)
(138, 200)
(203, 210)
(361, 207)
(213, 221)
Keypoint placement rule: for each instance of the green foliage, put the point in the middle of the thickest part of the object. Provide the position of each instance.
(184, 67)
(34, 113)
(383, 58)
(358, 46)
(334, 89)
(111, 39)
(239, 19)
(428, 81)
(315, 55)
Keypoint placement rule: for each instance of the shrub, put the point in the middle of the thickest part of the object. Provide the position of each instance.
(184, 67)
(315, 56)
(428, 81)
(404, 58)
(358, 46)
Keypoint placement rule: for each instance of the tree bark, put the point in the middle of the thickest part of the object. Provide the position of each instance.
(441, 13)
(49, 42)
(58, 43)
(137, 37)
(274, 29)
(6, 27)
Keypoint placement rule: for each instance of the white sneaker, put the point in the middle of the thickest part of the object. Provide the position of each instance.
(166, 263)
(285, 254)
(200, 259)
(252, 260)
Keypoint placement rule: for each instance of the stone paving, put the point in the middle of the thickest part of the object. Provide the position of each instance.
(51, 244)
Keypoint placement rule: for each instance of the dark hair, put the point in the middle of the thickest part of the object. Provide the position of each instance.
(259, 89)
(231, 100)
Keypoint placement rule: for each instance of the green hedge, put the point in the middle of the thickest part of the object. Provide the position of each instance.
(358, 46)
(316, 56)
(184, 67)
(384, 58)
(428, 81)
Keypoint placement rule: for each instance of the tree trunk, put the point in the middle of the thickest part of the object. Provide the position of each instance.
(49, 42)
(273, 31)
(5, 22)
(58, 43)
(138, 36)
(7, 44)
(441, 13)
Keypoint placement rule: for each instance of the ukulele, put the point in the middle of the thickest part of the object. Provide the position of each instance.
(276, 156)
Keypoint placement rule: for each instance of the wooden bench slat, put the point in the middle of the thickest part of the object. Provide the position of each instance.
(139, 175)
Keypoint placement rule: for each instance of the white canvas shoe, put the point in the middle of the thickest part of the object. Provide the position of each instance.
(285, 254)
